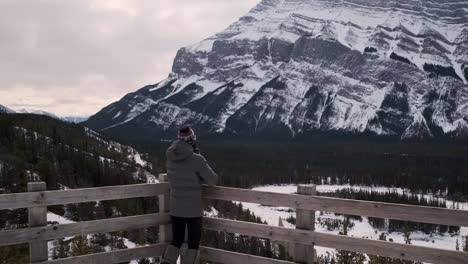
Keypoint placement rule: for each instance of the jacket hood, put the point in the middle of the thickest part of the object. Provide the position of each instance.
(179, 151)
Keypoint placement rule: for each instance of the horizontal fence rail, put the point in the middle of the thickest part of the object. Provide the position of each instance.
(229, 257)
(48, 198)
(368, 246)
(40, 199)
(44, 233)
(413, 213)
(117, 256)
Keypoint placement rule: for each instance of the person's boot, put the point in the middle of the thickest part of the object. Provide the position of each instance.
(170, 255)
(191, 256)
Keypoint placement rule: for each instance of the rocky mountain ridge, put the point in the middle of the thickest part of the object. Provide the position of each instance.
(6, 110)
(290, 67)
(69, 119)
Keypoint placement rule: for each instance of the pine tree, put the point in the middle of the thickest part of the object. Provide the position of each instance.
(144, 261)
(282, 252)
(347, 257)
(407, 234)
(63, 249)
(80, 246)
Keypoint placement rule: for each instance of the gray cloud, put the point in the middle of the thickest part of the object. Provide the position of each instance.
(75, 57)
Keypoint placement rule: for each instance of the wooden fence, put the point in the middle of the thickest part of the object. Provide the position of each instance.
(301, 240)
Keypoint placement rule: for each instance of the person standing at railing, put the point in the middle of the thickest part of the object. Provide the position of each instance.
(187, 170)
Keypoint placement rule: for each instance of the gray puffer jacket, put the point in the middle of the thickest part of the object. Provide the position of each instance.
(187, 171)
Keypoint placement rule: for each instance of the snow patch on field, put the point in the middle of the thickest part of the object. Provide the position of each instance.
(362, 228)
(212, 212)
(56, 219)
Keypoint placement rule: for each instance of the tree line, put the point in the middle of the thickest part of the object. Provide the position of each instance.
(39, 148)
(414, 166)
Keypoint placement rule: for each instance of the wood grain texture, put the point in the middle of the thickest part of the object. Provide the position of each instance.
(423, 214)
(47, 198)
(373, 247)
(37, 200)
(228, 257)
(34, 234)
(305, 220)
(165, 231)
(117, 256)
(37, 216)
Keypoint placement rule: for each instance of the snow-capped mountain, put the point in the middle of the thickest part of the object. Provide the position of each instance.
(290, 67)
(37, 112)
(6, 110)
(74, 119)
(69, 119)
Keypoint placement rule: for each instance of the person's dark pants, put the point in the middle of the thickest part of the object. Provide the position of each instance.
(194, 229)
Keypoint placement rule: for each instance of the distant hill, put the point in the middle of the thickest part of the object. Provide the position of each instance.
(38, 147)
(37, 112)
(69, 119)
(74, 119)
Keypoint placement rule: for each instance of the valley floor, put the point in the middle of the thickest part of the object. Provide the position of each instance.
(362, 228)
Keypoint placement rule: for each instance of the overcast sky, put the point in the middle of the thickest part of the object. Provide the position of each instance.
(73, 57)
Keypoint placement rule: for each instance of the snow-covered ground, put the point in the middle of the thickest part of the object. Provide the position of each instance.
(361, 229)
(331, 188)
(57, 219)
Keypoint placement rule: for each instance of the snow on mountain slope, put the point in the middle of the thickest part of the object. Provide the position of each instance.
(74, 119)
(6, 110)
(36, 112)
(69, 119)
(133, 154)
(130, 156)
(290, 67)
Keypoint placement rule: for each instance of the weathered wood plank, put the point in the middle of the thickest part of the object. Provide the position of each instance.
(228, 257)
(47, 198)
(24, 235)
(373, 247)
(305, 220)
(403, 212)
(117, 256)
(165, 231)
(37, 216)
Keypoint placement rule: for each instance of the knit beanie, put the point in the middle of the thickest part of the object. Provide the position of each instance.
(187, 134)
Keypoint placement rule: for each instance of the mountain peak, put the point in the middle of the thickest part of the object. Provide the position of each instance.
(37, 112)
(6, 110)
(300, 66)
(418, 129)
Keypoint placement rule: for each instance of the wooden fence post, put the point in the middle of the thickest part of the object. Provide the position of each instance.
(165, 232)
(305, 220)
(37, 216)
